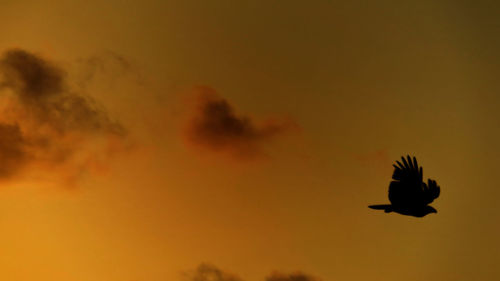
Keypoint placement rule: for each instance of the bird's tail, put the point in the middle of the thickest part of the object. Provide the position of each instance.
(387, 208)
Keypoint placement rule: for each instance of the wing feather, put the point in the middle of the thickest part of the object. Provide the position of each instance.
(406, 172)
(406, 187)
(431, 191)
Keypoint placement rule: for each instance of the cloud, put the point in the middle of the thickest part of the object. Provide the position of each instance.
(30, 76)
(39, 88)
(214, 126)
(298, 276)
(105, 65)
(46, 124)
(208, 272)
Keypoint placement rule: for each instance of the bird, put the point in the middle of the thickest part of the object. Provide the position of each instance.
(408, 193)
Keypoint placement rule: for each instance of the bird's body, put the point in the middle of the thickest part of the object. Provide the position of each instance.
(408, 194)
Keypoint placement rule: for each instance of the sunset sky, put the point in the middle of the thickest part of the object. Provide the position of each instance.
(154, 140)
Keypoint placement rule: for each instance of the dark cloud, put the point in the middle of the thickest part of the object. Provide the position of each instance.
(298, 276)
(29, 76)
(39, 88)
(215, 126)
(43, 121)
(208, 272)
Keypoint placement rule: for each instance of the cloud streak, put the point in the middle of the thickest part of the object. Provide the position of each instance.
(208, 272)
(46, 124)
(297, 276)
(214, 126)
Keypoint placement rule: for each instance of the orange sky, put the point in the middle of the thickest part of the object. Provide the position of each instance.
(326, 94)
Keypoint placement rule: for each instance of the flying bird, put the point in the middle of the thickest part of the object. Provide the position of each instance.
(408, 193)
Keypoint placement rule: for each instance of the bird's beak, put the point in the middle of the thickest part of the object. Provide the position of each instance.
(432, 210)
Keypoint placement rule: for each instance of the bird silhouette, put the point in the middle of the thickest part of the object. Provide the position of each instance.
(408, 194)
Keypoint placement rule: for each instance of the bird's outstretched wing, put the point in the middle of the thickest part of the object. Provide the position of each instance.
(406, 187)
(408, 172)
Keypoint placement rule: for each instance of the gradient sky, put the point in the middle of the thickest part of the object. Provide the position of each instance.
(365, 82)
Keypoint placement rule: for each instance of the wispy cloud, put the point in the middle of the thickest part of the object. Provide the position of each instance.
(209, 272)
(215, 126)
(47, 124)
(297, 276)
